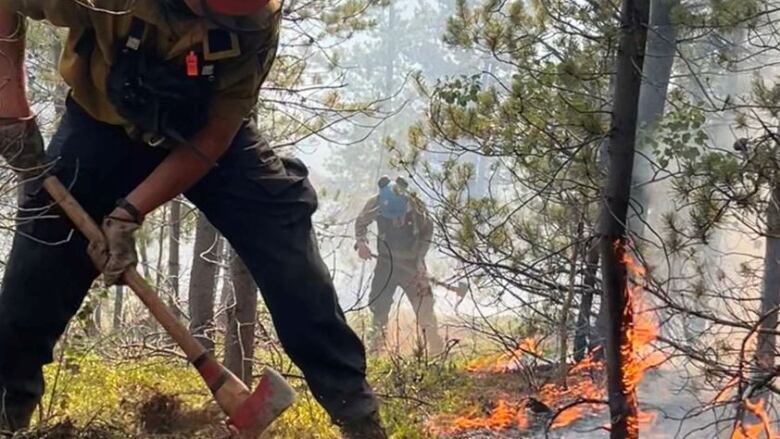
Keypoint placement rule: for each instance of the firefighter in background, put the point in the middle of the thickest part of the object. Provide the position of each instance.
(404, 232)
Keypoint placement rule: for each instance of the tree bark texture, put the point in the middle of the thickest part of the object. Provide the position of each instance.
(770, 296)
(93, 322)
(242, 318)
(119, 301)
(656, 72)
(143, 252)
(174, 267)
(226, 297)
(203, 282)
(584, 338)
(159, 277)
(628, 80)
(563, 328)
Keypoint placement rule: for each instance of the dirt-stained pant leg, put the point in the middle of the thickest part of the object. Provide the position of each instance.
(48, 272)
(420, 295)
(263, 206)
(380, 302)
(388, 276)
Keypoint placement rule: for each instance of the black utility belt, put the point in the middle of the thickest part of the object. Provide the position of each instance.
(165, 101)
(153, 140)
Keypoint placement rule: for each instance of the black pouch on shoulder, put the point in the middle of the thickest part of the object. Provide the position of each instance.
(163, 100)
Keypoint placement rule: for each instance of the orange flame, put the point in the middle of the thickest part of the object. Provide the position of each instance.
(757, 430)
(642, 329)
(506, 362)
(581, 384)
(502, 417)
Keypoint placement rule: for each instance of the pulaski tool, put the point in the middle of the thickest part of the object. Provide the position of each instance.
(249, 413)
(461, 289)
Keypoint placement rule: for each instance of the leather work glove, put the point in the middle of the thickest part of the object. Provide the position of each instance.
(116, 254)
(363, 251)
(21, 145)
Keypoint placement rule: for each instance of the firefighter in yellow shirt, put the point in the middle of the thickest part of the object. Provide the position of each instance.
(160, 94)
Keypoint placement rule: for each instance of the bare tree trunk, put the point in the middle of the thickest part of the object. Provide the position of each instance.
(144, 253)
(174, 237)
(158, 282)
(563, 330)
(240, 338)
(622, 397)
(770, 296)
(119, 300)
(587, 337)
(656, 71)
(226, 297)
(203, 282)
(584, 340)
(60, 91)
(93, 322)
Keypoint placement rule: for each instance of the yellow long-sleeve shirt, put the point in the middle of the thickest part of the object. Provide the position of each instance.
(243, 66)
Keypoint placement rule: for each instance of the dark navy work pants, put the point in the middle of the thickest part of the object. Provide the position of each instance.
(262, 204)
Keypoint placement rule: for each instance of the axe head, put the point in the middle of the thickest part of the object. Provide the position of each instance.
(269, 400)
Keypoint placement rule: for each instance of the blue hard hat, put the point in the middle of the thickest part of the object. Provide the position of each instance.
(392, 201)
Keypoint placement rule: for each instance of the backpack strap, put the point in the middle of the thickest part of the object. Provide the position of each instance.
(134, 36)
(163, 100)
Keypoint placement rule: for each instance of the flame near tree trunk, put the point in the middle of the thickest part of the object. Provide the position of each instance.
(584, 392)
(758, 430)
(621, 380)
(635, 331)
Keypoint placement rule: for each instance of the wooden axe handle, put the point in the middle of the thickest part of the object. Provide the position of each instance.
(255, 411)
(81, 219)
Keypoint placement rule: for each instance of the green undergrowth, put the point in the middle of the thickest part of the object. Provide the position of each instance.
(162, 397)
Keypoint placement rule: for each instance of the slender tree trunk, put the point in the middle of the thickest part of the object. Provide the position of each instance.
(203, 282)
(158, 282)
(60, 91)
(390, 48)
(584, 340)
(622, 397)
(770, 296)
(240, 338)
(657, 71)
(144, 253)
(660, 53)
(149, 322)
(119, 301)
(563, 329)
(93, 322)
(226, 297)
(174, 238)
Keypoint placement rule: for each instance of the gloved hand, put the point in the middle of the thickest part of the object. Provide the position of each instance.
(21, 145)
(363, 251)
(117, 253)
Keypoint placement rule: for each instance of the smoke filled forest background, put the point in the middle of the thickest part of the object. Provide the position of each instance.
(604, 180)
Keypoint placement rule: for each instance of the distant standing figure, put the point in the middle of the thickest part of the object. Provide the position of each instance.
(404, 232)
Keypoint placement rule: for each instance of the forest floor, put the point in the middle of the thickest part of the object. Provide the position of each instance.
(120, 390)
(92, 397)
(95, 397)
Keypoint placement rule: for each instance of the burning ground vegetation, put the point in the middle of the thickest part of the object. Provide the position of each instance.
(557, 396)
(525, 394)
(520, 393)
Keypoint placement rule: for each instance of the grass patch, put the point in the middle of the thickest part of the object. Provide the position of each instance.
(164, 398)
